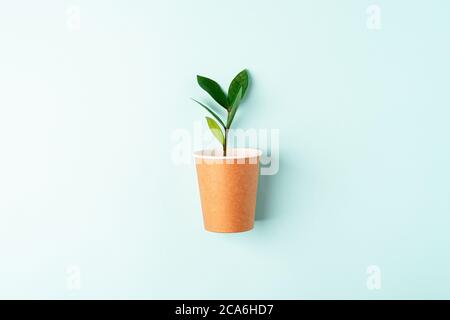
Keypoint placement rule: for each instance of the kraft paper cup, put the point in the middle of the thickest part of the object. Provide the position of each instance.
(228, 187)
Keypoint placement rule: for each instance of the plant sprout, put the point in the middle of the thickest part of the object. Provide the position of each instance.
(230, 103)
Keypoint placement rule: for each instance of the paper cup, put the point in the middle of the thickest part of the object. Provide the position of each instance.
(228, 187)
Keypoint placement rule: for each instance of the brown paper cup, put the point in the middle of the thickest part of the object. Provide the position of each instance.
(228, 187)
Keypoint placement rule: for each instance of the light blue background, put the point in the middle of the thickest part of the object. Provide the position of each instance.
(86, 176)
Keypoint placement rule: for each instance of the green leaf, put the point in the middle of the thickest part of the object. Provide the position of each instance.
(212, 112)
(214, 90)
(234, 108)
(240, 81)
(215, 129)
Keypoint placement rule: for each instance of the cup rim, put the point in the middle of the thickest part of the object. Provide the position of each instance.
(237, 153)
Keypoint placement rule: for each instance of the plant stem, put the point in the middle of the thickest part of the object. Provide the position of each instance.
(225, 141)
